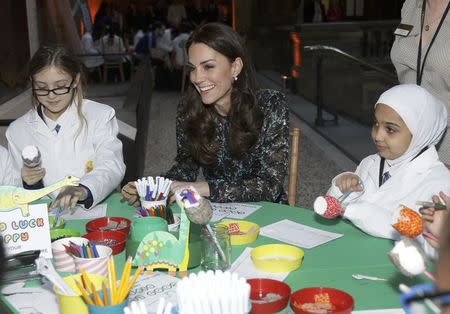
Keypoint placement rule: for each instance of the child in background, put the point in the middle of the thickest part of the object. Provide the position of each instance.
(75, 136)
(8, 174)
(408, 123)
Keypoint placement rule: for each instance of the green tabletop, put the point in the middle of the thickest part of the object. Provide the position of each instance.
(328, 265)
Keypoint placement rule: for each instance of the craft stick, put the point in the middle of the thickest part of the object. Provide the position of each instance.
(97, 299)
(85, 279)
(83, 291)
(105, 295)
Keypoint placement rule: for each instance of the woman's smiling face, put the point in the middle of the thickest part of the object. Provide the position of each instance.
(212, 74)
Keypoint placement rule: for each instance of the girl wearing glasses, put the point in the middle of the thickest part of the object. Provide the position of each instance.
(75, 136)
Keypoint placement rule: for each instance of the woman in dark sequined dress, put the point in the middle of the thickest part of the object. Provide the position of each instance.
(237, 135)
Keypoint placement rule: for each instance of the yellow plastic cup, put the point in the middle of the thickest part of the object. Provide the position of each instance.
(75, 304)
(277, 258)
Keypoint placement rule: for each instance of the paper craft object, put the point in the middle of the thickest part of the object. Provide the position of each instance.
(12, 197)
(162, 250)
(328, 207)
(408, 222)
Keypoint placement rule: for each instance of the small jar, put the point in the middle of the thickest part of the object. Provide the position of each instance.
(216, 248)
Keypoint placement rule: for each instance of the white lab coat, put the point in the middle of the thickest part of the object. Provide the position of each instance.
(372, 209)
(67, 153)
(8, 174)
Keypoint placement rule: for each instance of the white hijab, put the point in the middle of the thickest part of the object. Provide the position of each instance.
(424, 115)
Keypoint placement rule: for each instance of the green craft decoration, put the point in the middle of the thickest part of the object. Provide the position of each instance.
(162, 250)
(12, 197)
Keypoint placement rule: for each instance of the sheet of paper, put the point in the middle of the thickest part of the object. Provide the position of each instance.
(21, 233)
(383, 311)
(83, 213)
(232, 210)
(33, 300)
(297, 234)
(151, 288)
(243, 265)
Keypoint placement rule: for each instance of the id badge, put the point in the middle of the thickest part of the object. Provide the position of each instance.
(403, 29)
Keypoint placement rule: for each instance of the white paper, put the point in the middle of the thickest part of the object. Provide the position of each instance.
(298, 234)
(383, 311)
(151, 288)
(83, 213)
(20, 234)
(33, 300)
(244, 266)
(232, 210)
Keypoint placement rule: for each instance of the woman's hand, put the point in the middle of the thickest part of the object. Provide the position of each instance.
(69, 197)
(129, 193)
(434, 219)
(202, 187)
(349, 182)
(32, 175)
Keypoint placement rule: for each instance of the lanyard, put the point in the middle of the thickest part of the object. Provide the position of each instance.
(420, 65)
(382, 161)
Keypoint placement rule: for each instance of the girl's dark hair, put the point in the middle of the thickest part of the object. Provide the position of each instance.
(58, 57)
(245, 116)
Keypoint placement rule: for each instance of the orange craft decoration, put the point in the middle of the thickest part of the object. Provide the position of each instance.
(409, 223)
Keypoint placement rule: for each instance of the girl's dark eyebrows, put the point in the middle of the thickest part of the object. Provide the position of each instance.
(391, 124)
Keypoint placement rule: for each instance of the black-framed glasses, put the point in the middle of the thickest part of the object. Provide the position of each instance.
(57, 91)
(423, 296)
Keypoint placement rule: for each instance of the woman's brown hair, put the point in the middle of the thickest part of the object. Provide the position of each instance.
(245, 116)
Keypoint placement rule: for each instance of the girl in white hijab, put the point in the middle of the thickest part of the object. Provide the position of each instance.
(408, 123)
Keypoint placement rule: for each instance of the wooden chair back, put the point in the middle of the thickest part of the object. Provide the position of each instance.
(294, 136)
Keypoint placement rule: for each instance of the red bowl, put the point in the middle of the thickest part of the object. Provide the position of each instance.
(335, 301)
(262, 303)
(114, 239)
(97, 224)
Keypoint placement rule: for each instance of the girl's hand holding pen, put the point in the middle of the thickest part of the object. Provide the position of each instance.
(349, 182)
(32, 175)
(69, 197)
(434, 219)
(129, 193)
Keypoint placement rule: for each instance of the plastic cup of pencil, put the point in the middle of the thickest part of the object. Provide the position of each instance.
(153, 208)
(94, 265)
(76, 304)
(109, 308)
(63, 261)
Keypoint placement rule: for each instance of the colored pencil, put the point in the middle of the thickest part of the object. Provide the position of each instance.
(124, 279)
(113, 280)
(83, 291)
(97, 299)
(131, 283)
(105, 294)
(112, 288)
(85, 279)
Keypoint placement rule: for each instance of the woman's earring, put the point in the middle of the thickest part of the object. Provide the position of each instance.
(235, 78)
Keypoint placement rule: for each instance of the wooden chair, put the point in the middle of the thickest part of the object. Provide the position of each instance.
(294, 136)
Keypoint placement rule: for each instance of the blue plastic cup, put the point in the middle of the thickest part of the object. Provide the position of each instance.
(109, 309)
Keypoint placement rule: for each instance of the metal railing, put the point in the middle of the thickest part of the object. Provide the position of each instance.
(320, 51)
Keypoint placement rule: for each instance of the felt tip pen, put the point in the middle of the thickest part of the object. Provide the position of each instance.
(436, 206)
